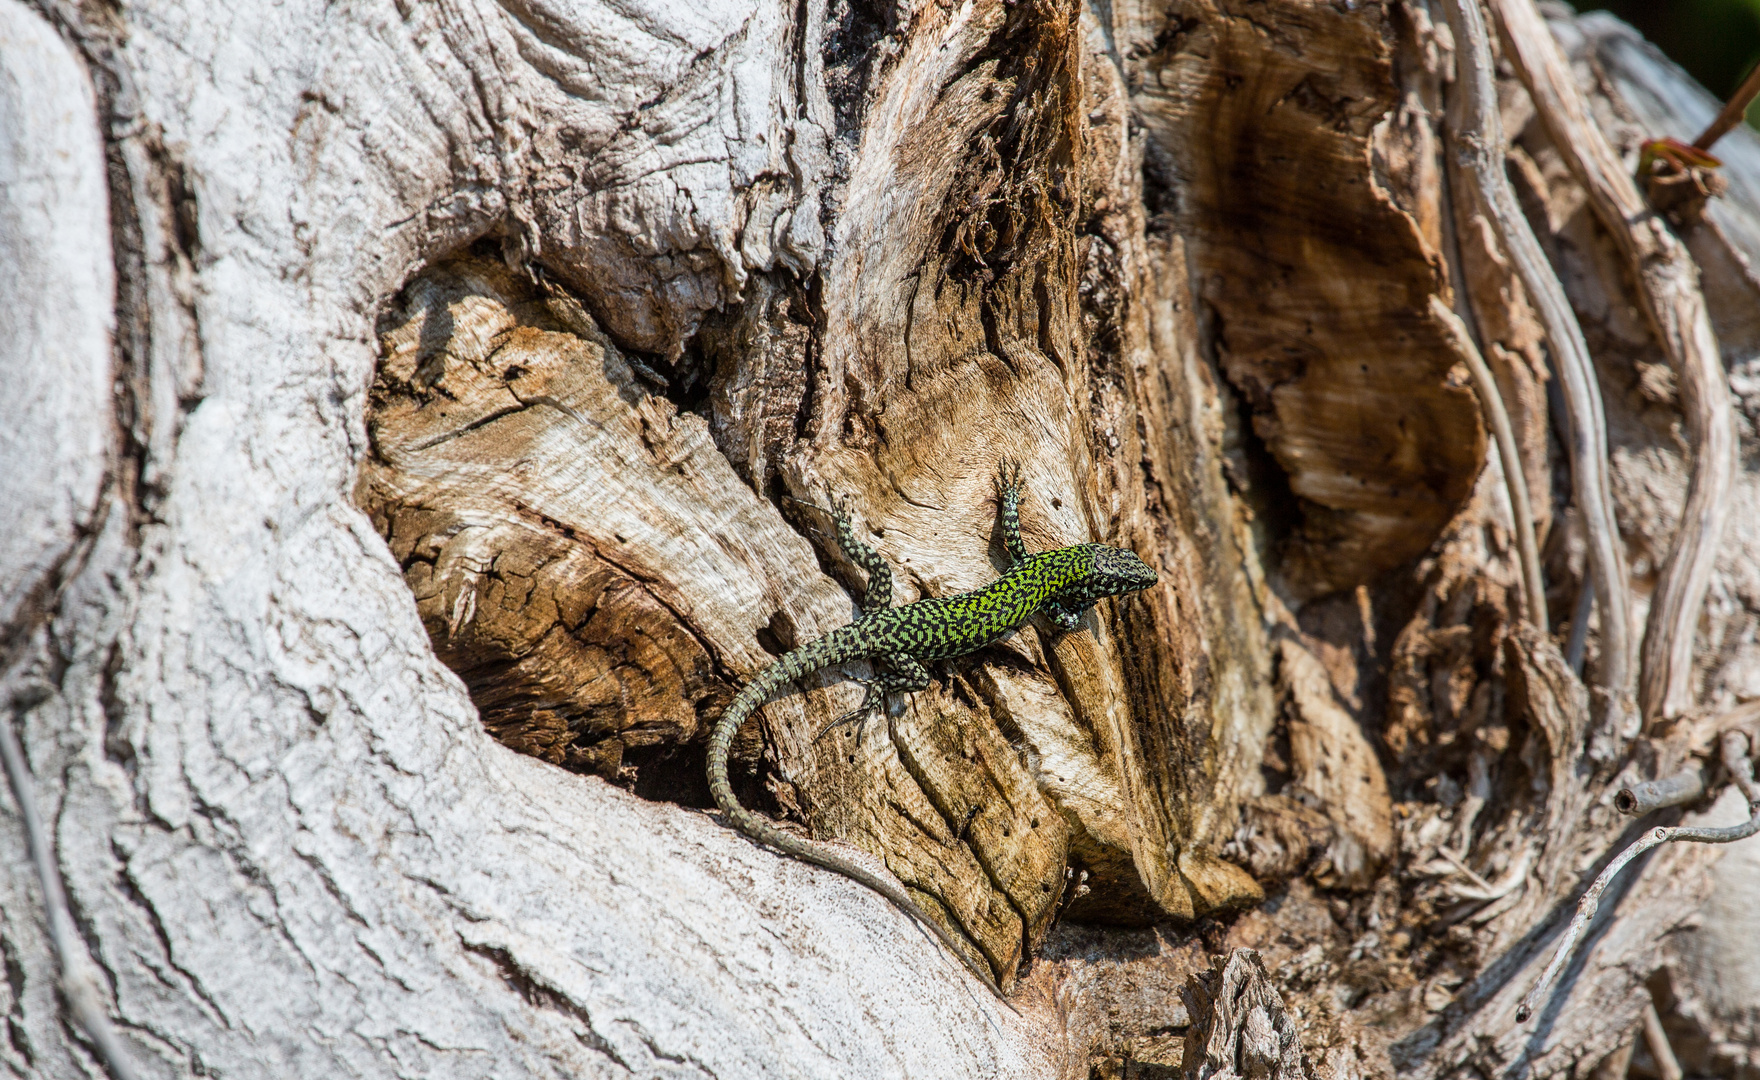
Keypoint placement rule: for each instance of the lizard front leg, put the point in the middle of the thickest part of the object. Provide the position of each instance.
(878, 593)
(1062, 617)
(1009, 491)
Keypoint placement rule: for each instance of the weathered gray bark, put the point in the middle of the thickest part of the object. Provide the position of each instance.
(398, 375)
(288, 840)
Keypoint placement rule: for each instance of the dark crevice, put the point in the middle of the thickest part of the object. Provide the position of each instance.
(748, 370)
(992, 333)
(851, 56)
(812, 314)
(1019, 188)
(1255, 475)
(182, 203)
(116, 746)
(683, 381)
(1161, 189)
(678, 774)
(1047, 336)
(16, 1035)
(539, 996)
(127, 886)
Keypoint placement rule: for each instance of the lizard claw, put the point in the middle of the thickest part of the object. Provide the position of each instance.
(854, 716)
(1066, 620)
(872, 701)
(1008, 477)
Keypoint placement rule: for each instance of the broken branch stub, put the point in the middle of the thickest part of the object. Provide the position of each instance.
(1240, 1027)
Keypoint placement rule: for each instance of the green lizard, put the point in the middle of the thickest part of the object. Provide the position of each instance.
(1062, 584)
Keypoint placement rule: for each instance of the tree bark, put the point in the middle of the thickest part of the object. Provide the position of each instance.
(429, 417)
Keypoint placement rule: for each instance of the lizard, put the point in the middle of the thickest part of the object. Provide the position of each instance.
(1061, 584)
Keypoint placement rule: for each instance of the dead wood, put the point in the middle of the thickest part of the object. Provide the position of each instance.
(1242, 1030)
(1479, 135)
(415, 383)
(1741, 772)
(1666, 279)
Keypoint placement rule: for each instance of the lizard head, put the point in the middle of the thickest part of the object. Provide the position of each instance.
(1121, 571)
(1111, 572)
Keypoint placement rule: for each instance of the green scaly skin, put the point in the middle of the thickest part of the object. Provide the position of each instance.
(1061, 584)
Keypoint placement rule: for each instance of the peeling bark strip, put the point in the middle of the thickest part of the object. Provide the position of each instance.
(1478, 130)
(591, 308)
(1668, 284)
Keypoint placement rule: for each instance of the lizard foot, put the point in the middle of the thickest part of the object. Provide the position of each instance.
(872, 702)
(1008, 478)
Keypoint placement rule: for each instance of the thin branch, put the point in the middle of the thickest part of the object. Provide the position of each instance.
(1486, 891)
(1668, 282)
(1741, 771)
(1615, 1065)
(1479, 146)
(1732, 112)
(78, 984)
(1578, 640)
(1497, 419)
(1461, 868)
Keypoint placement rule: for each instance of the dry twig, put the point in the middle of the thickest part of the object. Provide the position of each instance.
(1683, 787)
(1741, 771)
(1668, 282)
(1732, 112)
(1478, 137)
(1486, 891)
(1497, 419)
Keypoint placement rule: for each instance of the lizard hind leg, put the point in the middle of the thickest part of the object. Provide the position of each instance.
(1009, 492)
(879, 590)
(907, 675)
(873, 701)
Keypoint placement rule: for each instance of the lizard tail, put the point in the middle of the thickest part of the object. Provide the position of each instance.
(764, 831)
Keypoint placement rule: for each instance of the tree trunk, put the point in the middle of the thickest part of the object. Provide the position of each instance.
(429, 419)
